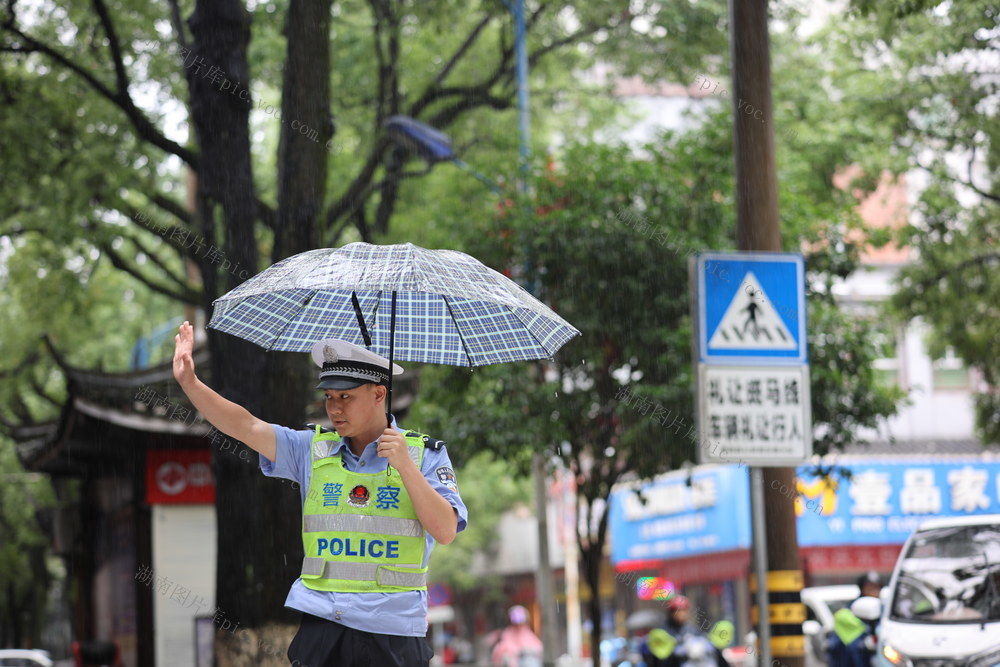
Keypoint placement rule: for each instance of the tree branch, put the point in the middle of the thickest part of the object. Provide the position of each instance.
(359, 188)
(169, 233)
(480, 89)
(362, 224)
(390, 190)
(178, 24)
(469, 97)
(971, 185)
(394, 95)
(958, 268)
(461, 51)
(121, 76)
(380, 114)
(40, 390)
(955, 179)
(447, 116)
(143, 126)
(28, 361)
(21, 409)
(334, 236)
(179, 282)
(387, 57)
(185, 296)
(503, 71)
(581, 34)
(172, 207)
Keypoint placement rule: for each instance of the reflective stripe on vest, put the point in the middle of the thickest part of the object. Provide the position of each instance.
(360, 531)
(383, 574)
(362, 523)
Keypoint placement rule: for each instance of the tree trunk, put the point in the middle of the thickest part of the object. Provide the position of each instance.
(593, 570)
(306, 127)
(590, 555)
(256, 538)
(259, 545)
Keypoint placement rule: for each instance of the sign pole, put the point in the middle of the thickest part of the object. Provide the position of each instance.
(757, 522)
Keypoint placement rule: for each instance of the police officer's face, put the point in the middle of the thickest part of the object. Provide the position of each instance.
(355, 411)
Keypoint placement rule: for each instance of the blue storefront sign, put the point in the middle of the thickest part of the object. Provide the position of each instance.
(674, 519)
(882, 503)
(886, 499)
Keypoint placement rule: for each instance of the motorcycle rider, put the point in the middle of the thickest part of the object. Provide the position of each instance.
(518, 645)
(680, 644)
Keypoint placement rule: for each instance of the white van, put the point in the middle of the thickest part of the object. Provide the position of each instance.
(942, 605)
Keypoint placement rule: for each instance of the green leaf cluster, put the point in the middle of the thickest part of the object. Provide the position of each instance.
(25, 576)
(488, 490)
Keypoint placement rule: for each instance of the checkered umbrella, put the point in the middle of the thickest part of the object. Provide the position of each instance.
(401, 301)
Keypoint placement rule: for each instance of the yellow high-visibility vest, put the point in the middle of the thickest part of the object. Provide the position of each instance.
(360, 531)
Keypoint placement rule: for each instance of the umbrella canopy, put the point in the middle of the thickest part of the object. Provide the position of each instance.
(645, 618)
(450, 308)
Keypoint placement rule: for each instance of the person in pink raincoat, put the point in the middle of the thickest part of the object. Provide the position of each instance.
(518, 646)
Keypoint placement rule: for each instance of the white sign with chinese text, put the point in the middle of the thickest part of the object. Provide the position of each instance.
(754, 415)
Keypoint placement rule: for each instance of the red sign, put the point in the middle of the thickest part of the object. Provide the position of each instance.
(700, 569)
(853, 558)
(438, 595)
(175, 476)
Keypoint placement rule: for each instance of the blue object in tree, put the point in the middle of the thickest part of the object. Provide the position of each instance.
(419, 138)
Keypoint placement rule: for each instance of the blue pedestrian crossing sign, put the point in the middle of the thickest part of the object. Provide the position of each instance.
(751, 308)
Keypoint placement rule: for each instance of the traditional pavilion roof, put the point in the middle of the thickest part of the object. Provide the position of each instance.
(105, 412)
(104, 409)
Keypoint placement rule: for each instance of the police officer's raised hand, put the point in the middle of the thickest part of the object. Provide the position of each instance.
(183, 359)
(392, 445)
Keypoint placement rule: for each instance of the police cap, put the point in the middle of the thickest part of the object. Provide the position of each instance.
(346, 365)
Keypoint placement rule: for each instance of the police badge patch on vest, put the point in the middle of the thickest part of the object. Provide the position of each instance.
(447, 477)
(359, 496)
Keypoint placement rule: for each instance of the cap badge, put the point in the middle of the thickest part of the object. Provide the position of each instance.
(330, 355)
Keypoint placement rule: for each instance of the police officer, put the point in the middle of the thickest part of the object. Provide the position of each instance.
(375, 500)
(853, 640)
(869, 584)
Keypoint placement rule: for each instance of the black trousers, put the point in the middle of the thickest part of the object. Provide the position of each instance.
(323, 643)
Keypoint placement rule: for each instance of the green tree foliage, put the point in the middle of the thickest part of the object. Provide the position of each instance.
(275, 111)
(24, 573)
(607, 244)
(488, 490)
(918, 79)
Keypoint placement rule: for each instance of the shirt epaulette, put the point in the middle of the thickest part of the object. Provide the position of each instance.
(322, 429)
(429, 442)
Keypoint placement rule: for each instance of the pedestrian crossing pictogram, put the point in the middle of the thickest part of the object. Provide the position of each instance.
(750, 308)
(751, 322)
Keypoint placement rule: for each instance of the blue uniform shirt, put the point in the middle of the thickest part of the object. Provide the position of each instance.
(403, 614)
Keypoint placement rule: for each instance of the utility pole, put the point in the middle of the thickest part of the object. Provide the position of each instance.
(544, 585)
(757, 229)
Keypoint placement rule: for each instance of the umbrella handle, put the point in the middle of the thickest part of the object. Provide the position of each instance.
(392, 349)
(388, 396)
